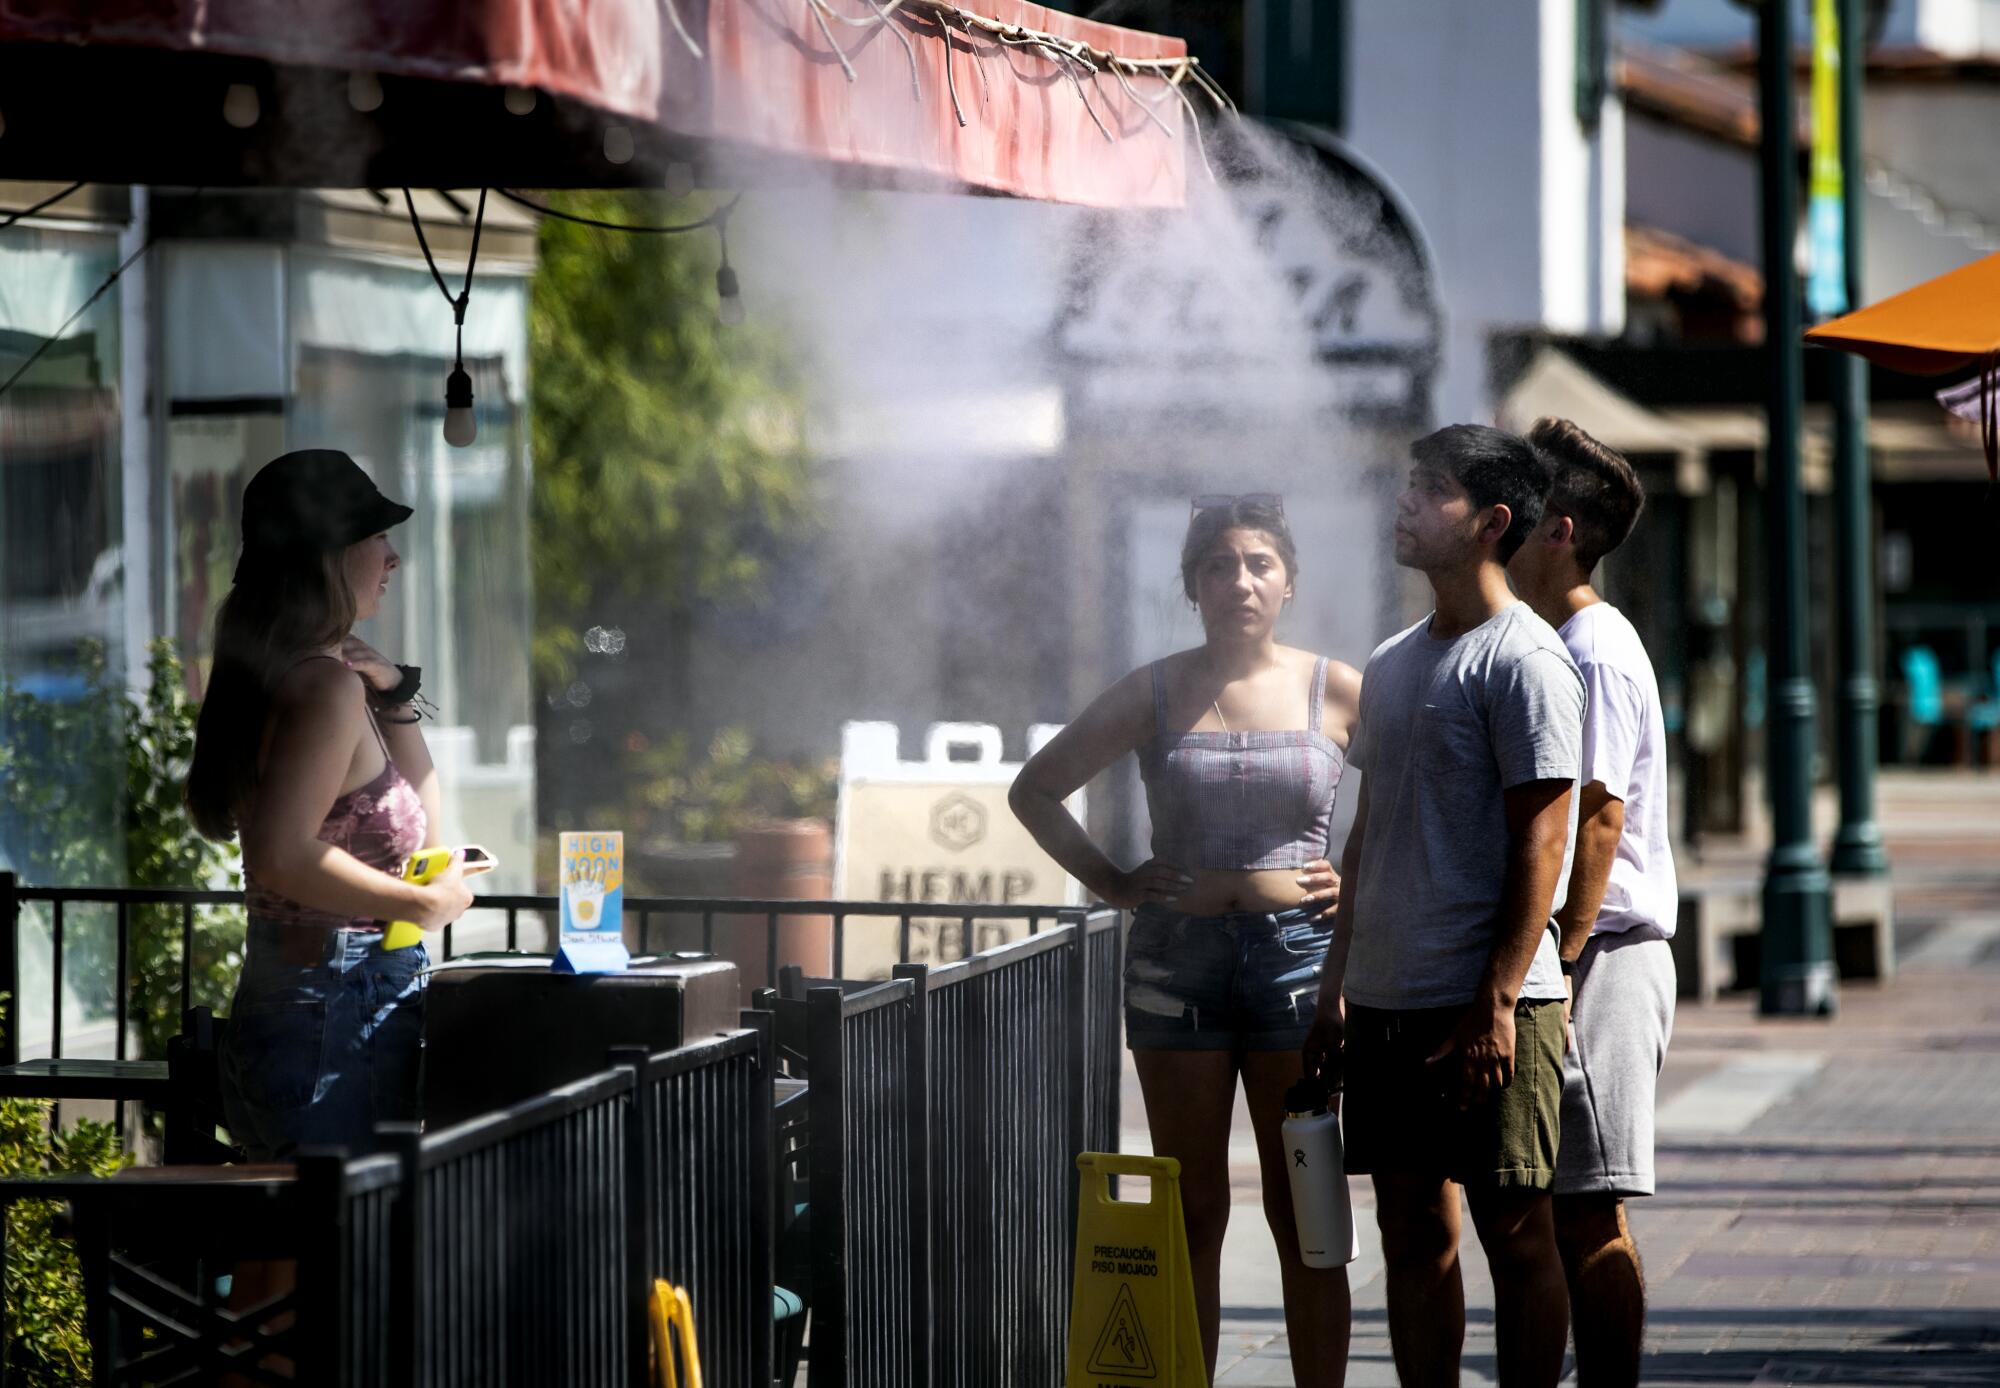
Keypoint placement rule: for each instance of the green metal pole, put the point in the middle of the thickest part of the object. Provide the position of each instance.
(1857, 846)
(1798, 975)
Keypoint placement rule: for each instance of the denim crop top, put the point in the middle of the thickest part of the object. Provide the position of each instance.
(1240, 801)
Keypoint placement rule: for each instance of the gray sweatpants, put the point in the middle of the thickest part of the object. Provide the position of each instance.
(1623, 1015)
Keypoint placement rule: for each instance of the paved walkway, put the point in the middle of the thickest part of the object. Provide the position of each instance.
(1828, 1212)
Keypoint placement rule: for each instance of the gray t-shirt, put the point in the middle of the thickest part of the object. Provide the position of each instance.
(1445, 728)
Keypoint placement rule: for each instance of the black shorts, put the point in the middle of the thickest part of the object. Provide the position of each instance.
(1400, 1116)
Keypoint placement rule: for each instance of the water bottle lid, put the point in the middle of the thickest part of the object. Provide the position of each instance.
(1308, 1097)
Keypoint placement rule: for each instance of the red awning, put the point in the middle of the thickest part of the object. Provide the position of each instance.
(997, 95)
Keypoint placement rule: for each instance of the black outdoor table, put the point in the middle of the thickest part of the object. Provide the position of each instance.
(85, 1079)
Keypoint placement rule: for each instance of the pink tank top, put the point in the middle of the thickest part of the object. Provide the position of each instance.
(381, 824)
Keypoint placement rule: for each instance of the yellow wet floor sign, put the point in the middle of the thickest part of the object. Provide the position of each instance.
(1132, 1318)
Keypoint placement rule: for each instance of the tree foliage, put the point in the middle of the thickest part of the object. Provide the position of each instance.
(668, 448)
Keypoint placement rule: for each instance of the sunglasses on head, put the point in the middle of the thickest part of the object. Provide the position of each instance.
(1212, 501)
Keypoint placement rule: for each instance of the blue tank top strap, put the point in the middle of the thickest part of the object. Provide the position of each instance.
(1315, 694)
(1159, 698)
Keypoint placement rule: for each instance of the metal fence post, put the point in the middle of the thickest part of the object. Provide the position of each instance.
(826, 1104)
(1077, 1042)
(10, 971)
(975, 1174)
(765, 1213)
(922, 1249)
(406, 1253)
(326, 1314)
(641, 1261)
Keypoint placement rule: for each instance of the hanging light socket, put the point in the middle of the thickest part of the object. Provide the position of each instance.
(728, 296)
(461, 426)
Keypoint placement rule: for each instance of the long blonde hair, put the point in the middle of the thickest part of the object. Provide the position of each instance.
(285, 605)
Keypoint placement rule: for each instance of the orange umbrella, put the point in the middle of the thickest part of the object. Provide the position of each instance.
(1942, 325)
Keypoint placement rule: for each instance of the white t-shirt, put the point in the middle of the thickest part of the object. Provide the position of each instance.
(1625, 747)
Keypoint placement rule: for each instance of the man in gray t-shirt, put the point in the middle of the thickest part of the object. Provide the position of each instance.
(1447, 726)
(1450, 1037)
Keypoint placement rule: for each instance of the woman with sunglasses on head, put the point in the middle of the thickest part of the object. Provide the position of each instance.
(308, 748)
(1241, 746)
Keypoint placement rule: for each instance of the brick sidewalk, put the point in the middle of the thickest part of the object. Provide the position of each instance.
(1828, 1210)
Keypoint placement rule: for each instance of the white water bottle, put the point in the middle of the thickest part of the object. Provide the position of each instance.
(1318, 1169)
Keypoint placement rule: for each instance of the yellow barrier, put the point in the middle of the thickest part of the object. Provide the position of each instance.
(669, 1311)
(1132, 1319)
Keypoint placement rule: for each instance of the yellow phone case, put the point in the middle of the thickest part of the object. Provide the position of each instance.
(423, 865)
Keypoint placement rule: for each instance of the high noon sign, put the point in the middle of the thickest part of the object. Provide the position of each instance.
(937, 829)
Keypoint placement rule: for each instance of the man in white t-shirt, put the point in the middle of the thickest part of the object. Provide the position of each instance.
(1619, 912)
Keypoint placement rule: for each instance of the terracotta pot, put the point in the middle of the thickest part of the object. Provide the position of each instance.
(780, 860)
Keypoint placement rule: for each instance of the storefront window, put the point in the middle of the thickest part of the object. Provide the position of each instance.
(61, 577)
(366, 345)
(62, 656)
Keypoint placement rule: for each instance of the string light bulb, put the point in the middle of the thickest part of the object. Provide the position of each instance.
(240, 106)
(520, 100)
(728, 302)
(461, 425)
(618, 144)
(364, 91)
(680, 179)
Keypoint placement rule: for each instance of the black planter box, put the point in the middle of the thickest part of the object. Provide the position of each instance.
(500, 1029)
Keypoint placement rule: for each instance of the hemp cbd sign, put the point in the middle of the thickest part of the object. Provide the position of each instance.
(936, 830)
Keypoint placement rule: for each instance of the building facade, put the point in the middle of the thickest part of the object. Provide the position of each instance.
(244, 325)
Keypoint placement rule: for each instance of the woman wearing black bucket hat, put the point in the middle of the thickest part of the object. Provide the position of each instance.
(308, 749)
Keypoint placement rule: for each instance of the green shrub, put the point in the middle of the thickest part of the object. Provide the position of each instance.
(47, 1346)
(90, 795)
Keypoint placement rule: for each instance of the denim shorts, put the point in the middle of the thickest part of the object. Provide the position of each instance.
(315, 1055)
(1242, 982)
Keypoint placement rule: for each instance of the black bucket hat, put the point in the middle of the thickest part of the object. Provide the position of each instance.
(317, 498)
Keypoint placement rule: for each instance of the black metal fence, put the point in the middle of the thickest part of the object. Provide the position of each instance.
(705, 1122)
(947, 1108)
(513, 1234)
(514, 1248)
(869, 1227)
(702, 919)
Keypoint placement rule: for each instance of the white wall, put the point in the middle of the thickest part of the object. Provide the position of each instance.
(1940, 138)
(1470, 112)
(1955, 28)
(1693, 185)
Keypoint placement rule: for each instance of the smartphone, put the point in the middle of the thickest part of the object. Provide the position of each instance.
(477, 859)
